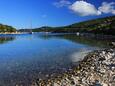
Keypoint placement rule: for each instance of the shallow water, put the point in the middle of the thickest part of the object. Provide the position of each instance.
(24, 58)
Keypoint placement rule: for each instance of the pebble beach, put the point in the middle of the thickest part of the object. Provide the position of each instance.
(96, 69)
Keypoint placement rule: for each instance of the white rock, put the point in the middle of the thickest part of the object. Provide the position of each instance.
(104, 84)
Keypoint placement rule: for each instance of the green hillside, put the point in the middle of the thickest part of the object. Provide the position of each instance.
(6, 28)
(97, 26)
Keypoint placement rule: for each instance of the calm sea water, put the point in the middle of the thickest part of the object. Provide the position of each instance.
(24, 58)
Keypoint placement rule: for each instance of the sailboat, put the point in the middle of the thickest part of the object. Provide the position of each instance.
(31, 32)
(31, 28)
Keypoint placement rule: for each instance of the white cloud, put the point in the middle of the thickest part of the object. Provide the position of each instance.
(107, 7)
(113, 12)
(62, 3)
(83, 8)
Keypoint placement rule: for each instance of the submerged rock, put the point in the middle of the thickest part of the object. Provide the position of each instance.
(96, 69)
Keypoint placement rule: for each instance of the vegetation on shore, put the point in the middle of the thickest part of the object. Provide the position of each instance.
(6, 28)
(104, 26)
(97, 26)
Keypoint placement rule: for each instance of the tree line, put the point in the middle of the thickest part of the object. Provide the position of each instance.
(6, 28)
(97, 26)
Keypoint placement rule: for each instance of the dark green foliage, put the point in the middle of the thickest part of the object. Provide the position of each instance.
(44, 29)
(6, 28)
(97, 26)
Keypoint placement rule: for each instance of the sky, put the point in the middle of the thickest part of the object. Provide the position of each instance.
(23, 13)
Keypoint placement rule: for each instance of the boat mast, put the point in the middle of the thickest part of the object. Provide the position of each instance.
(31, 26)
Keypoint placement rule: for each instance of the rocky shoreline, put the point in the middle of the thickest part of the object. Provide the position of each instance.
(96, 69)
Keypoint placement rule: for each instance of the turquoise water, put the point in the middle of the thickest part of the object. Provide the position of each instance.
(25, 58)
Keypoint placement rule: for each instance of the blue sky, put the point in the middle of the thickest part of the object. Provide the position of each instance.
(20, 13)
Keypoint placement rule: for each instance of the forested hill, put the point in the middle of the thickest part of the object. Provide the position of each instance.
(102, 25)
(98, 26)
(6, 28)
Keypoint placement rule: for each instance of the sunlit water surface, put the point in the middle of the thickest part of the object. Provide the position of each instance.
(25, 58)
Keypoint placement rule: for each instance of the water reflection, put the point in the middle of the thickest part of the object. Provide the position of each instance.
(88, 41)
(103, 43)
(34, 56)
(6, 39)
(79, 55)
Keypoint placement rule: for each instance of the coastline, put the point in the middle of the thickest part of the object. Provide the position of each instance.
(96, 69)
(14, 33)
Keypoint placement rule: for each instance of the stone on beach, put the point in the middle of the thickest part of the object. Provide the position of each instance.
(96, 69)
